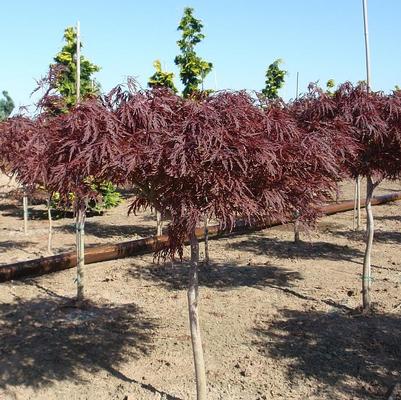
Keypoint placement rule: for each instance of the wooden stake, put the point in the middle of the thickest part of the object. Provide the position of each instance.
(80, 211)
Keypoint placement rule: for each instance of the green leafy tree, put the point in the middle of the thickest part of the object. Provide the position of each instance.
(275, 77)
(162, 78)
(65, 82)
(6, 106)
(397, 87)
(193, 69)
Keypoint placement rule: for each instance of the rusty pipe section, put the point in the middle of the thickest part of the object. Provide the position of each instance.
(44, 265)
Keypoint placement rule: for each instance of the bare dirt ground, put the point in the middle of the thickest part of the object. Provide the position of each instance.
(275, 316)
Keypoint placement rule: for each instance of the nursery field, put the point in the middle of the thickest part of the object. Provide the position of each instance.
(276, 317)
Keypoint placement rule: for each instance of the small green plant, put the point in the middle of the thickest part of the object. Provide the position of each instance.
(109, 197)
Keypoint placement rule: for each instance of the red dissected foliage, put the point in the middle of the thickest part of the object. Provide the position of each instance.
(196, 157)
(333, 138)
(66, 152)
(224, 157)
(220, 156)
(376, 121)
(316, 113)
(14, 133)
(308, 158)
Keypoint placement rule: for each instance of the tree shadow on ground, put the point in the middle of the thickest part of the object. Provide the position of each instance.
(105, 231)
(9, 207)
(354, 355)
(385, 237)
(258, 243)
(15, 245)
(37, 214)
(385, 218)
(219, 276)
(43, 340)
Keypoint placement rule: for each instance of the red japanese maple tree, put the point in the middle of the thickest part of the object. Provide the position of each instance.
(66, 153)
(224, 157)
(376, 121)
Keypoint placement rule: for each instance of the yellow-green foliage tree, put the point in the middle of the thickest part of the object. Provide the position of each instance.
(162, 78)
(275, 77)
(65, 82)
(193, 69)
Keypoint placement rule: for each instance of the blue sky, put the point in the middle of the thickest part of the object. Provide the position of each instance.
(320, 39)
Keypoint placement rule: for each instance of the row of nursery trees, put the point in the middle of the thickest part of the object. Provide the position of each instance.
(61, 93)
(224, 156)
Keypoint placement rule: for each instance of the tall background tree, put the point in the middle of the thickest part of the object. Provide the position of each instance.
(6, 106)
(275, 77)
(61, 82)
(61, 96)
(193, 69)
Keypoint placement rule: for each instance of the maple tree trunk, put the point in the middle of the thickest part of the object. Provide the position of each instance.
(367, 273)
(296, 231)
(296, 227)
(193, 298)
(80, 246)
(49, 215)
(159, 223)
(355, 204)
(25, 207)
(358, 189)
(206, 240)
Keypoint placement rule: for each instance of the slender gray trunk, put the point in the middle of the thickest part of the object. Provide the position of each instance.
(25, 207)
(80, 246)
(49, 215)
(159, 223)
(206, 228)
(358, 218)
(296, 231)
(367, 273)
(193, 298)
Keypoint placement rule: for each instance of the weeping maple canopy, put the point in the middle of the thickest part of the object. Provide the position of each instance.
(14, 134)
(224, 157)
(68, 152)
(376, 121)
(220, 156)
